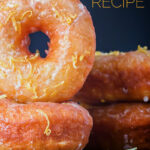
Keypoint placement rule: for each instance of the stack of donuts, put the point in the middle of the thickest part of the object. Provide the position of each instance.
(116, 94)
(34, 109)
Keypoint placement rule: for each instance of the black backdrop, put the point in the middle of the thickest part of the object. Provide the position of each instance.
(116, 29)
(121, 29)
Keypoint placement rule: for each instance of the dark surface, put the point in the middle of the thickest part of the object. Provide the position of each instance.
(116, 29)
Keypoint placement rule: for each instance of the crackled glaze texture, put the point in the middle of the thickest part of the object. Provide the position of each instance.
(43, 126)
(118, 77)
(27, 77)
(120, 127)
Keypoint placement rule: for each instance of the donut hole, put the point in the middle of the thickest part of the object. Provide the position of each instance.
(39, 41)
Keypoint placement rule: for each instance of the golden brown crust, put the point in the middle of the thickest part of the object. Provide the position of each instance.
(41, 126)
(118, 77)
(120, 127)
(26, 77)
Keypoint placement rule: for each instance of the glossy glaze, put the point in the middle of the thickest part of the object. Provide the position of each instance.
(120, 127)
(118, 77)
(27, 77)
(43, 126)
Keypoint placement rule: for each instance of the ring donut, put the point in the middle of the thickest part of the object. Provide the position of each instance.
(28, 78)
(39, 126)
(118, 77)
(120, 127)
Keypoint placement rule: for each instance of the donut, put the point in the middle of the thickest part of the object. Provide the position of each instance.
(43, 125)
(26, 77)
(122, 126)
(118, 77)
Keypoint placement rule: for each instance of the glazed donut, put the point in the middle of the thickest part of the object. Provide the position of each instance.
(118, 77)
(28, 78)
(40, 125)
(120, 127)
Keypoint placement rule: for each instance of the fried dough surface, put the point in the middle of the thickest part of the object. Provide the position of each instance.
(47, 126)
(120, 127)
(27, 77)
(118, 77)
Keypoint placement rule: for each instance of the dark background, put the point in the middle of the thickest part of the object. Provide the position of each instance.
(116, 29)
(121, 29)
